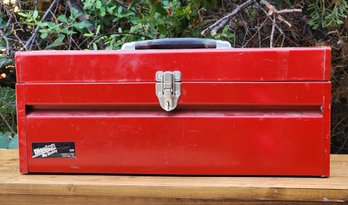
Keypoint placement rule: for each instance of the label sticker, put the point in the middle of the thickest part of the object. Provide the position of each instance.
(53, 150)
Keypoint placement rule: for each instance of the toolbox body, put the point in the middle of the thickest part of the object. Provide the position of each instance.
(240, 112)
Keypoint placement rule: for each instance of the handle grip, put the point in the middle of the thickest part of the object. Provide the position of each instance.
(176, 43)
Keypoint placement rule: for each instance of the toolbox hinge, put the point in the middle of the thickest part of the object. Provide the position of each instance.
(168, 88)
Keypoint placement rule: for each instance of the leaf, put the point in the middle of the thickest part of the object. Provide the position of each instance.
(88, 34)
(98, 30)
(156, 7)
(88, 4)
(162, 28)
(5, 60)
(57, 42)
(44, 35)
(62, 18)
(120, 9)
(80, 25)
(98, 4)
(35, 14)
(43, 30)
(102, 12)
(42, 24)
(23, 14)
(74, 12)
(110, 9)
(51, 24)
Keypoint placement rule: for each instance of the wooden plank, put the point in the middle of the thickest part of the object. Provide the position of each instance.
(93, 200)
(120, 189)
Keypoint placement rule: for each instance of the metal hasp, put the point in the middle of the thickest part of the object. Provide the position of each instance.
(168, 89)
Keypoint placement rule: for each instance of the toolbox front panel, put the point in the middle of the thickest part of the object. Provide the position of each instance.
(237, 143)
(238, 128)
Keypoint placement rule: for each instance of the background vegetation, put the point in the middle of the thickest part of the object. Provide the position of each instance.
(107, 24)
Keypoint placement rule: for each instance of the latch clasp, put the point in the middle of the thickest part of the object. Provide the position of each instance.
(168, 88)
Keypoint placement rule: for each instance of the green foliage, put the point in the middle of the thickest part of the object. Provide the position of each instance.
(53, 33)
(107, 24)
(148, 19)
(2, 42)
(7, 141)
(327, 14)
(225, 34)
(5, 60)
(7, 100)
(7, 110)
(30, 18)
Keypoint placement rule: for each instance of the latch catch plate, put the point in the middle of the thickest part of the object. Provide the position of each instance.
(168, 88)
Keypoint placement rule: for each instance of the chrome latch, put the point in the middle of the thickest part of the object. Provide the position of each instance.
(168, 89)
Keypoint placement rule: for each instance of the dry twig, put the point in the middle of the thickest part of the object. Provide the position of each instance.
(257, 32)
(223, 21)
(3, 35)
(272, 11)
(29, 43)
(7, 124)
(272, 33)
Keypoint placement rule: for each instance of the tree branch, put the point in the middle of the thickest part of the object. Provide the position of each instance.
(91, 28)
(28, 44)
(3, 35)
(7, 124)
(272, 33)
(272, 11)
(276, 13)
(218, 25)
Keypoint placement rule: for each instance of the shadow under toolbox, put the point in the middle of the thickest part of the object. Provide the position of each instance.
(151, 109)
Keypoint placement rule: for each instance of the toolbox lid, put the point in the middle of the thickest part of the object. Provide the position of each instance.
(195, 65)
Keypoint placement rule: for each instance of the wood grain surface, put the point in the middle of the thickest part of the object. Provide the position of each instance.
(130, 189)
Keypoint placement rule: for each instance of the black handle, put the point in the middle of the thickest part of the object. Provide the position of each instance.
(176, 43)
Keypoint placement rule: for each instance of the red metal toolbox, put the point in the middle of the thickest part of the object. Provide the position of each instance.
(233, 111)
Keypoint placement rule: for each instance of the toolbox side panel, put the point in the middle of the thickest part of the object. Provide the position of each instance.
(326, 110)
(327, 61)
(278, 64)
(189, 143)
(21, 128)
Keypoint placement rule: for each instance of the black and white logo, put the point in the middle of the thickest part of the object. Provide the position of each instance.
(45, 151)
(53, 150)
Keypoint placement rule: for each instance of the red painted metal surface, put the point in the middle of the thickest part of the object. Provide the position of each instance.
(282, 64)
(228, 93)
(241, 111)
(22, 128)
